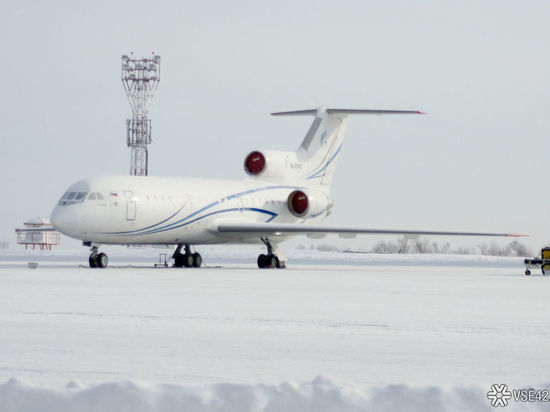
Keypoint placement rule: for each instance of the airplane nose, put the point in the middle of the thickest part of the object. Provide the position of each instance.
(56, 219)
(61, 220)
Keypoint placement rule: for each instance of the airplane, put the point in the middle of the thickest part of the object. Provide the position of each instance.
(284, 194)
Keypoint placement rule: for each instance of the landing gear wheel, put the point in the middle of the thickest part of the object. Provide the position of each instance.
(545, 268)
(197, 260)
(527, 272)
(274, 258)
(268, 261)
(262, 261)
(93, 260)
(179, 260)
(188, 260)
(102, 260)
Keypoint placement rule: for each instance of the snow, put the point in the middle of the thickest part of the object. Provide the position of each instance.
(334, 331)
(315, 396)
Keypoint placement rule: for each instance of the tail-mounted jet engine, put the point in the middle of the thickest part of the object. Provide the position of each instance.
(273, 165)
(308, 203)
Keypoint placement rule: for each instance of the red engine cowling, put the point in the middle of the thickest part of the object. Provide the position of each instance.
(308, 204)
(255, 163)
(274, 165)
(298, 203)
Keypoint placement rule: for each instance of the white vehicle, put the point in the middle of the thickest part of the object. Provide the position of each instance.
(285, 194)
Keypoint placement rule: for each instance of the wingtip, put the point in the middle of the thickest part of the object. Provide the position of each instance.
(420, 112)
(516, 235)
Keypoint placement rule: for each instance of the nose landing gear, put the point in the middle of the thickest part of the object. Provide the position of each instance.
(186, 259)
(98, 260)
(274, 258)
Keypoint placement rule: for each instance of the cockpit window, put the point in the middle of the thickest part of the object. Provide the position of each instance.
(70, 198)
(95, 196)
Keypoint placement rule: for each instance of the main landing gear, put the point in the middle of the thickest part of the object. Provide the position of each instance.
(273, 259)
(187, 259)
(98, 260)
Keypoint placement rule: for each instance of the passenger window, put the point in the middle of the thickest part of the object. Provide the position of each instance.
(92, 196)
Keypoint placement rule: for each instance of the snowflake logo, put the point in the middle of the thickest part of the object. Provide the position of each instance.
(499, 395)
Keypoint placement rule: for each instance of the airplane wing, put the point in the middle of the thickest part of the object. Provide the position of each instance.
(267, 229)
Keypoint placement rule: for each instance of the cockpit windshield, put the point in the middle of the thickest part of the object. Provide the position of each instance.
(70, 198)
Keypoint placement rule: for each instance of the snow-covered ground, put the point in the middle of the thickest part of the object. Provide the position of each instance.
(332, 332)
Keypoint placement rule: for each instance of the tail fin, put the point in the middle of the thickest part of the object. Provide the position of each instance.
(321, 146)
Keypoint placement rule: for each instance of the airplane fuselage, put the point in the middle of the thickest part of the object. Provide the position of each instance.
(166, 210)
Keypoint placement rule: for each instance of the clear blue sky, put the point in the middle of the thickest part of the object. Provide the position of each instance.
(481, 69)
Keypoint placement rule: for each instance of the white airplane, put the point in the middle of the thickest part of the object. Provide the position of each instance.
(286, 193)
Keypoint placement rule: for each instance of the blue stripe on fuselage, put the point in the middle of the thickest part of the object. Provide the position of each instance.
(149, 229)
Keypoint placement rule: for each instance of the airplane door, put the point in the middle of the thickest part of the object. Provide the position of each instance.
(131, 206)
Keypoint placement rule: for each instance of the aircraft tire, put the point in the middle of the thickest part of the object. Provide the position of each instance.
(179, 260)
(197, 260)
(527, 272)
(262, 261)
(102, 260)
(269, 262)
(93, 261)
(188, 260)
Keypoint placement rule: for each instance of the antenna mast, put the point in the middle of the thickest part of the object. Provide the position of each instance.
(140, 78)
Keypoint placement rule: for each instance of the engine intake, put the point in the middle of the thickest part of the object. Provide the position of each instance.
(273, 165)
(308, 204)
(298, 203)
(254, 164)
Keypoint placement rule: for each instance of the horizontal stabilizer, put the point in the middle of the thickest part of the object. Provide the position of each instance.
(268, 229)
(313, 112)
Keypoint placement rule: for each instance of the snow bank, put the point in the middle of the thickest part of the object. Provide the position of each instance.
(320, 394)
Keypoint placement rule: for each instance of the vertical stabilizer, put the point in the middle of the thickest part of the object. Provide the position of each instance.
(322, 144)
